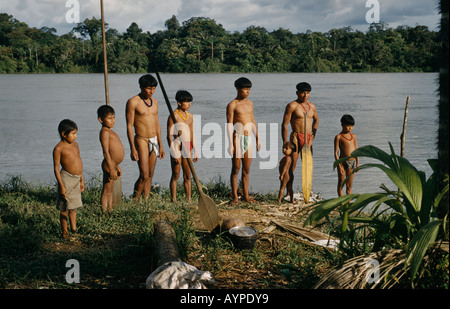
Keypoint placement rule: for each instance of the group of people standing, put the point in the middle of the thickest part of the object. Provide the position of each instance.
(146, 146)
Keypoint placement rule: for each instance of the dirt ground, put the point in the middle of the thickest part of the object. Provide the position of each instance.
(274, 223)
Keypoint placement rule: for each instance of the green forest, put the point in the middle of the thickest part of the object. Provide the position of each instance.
(201, 45)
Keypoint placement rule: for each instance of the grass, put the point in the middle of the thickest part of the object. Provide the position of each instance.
(116, 250)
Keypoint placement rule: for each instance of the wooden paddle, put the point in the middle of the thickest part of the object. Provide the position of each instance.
(307, 167)
(207, 209)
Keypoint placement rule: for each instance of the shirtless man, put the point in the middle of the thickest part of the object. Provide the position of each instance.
(240, 126)
(144, 133)
(294, 115)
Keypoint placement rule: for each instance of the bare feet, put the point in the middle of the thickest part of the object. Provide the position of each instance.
(250, 200)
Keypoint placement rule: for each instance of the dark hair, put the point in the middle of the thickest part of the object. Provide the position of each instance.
(104, 111)
(242, 82)
(183, 96)
(66, 126)
(147, 81)
(303, 87)
(290, 145)
(347, 120)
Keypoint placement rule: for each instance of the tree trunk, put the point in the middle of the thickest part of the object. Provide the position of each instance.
(166, 243)
(443, 130)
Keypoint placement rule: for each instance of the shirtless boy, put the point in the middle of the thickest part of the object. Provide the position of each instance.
(294, 115)
(240, 125)
(344, 144)
(70, 178)
(144, 133)
(113, 154)
(284, 167)
(181, 142)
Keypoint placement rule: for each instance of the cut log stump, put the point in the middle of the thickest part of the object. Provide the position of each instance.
(166, 243)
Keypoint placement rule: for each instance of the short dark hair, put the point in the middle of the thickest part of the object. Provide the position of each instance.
(303, 87)
(290, 145)
(104, 110)
(347, 120)
(147, 80)
(183, 96)
(243, 82)
(66, 126)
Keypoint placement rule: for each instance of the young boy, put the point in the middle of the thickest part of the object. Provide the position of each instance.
(294, 115)
(344, 144)
(284, 167)
(144, 133)
(70, 178)
(240, 124)
(181, 142)
(113, 154)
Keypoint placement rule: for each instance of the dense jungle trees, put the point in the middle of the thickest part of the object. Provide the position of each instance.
(202, 45)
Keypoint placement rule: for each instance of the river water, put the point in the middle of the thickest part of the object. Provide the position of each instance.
(31, 106)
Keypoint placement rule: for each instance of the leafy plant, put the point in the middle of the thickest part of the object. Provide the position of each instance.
(402, 218)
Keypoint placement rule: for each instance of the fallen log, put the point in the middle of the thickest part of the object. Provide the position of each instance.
(171, 272)
(166, 243)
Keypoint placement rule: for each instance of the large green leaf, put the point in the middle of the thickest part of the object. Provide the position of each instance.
(419, 245)
(399, 170)
(323, 208)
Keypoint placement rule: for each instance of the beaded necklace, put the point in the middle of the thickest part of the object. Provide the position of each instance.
(151, 102)
(349, 139)
(309, 107)
(179, 113)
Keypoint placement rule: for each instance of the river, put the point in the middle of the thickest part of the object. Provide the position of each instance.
(31, 106)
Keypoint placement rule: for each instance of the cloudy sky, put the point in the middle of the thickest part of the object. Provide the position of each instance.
(235, 15)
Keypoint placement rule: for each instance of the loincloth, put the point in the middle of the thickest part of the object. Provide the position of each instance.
(349, 164)
(179, 147)
(153, 144)
(244, 142)
(297, 138)
(72, 184)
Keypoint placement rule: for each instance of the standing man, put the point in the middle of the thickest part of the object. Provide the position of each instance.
(294, 115)
(240, 126)
(144, 133)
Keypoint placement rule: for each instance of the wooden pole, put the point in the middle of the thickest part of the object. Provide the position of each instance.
(104, 55)
(117, 189)
(402, 136)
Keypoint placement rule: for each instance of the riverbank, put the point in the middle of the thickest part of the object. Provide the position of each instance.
(116, 250)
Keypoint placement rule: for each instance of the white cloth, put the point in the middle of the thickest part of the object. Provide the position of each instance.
(179, 275)
(153, 145)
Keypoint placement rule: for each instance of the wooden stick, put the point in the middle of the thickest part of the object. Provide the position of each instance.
(402, 136)
(105, 66)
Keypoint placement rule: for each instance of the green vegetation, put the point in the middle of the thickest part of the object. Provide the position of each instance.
(412, 218)
(116, 250)
(200, 45)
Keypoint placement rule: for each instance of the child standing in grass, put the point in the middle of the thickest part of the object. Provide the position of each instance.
(113, 153)
(344, 144)
(70, 178)
(284, 167)
(181, 139)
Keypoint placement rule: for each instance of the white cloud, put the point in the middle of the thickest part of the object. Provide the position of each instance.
(234, 15)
